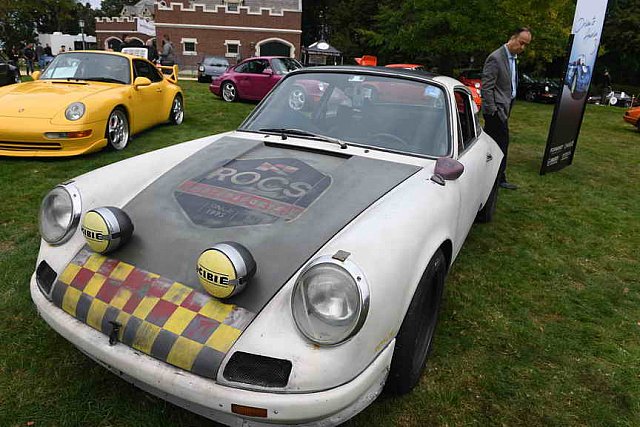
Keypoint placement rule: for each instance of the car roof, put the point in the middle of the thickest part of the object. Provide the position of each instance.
(101, 52)
(450, 82)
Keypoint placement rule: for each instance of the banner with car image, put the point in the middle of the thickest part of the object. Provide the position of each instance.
(570, 106)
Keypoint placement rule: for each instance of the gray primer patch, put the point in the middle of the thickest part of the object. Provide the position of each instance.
(167, 242)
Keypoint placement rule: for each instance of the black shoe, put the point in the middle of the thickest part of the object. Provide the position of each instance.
(508, 185)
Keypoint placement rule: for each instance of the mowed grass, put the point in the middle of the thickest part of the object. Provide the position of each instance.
(540, 323)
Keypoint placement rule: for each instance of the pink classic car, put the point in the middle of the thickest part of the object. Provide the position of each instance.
(252, 78)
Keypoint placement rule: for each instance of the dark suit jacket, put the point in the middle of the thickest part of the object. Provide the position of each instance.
(496, 84)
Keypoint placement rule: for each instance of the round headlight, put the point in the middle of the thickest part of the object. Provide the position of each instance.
(546, 88)
(75, 111)
(330, 301)
(477, 85)
(60, 214)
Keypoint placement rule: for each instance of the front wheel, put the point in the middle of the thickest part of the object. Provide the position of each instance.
(415, 338)
(530, 96)
(229, 92)
(176, 115)
(117, 132)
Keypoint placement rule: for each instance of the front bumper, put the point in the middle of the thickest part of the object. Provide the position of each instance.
(206, 397)
(25, 138)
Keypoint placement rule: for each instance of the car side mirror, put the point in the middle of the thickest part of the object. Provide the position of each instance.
(35, 75)
(447, 169)
(141, 82)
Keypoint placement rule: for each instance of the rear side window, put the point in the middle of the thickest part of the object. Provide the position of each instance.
(466, 119)
(146, 69)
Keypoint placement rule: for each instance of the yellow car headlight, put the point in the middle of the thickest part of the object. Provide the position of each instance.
(75, 111)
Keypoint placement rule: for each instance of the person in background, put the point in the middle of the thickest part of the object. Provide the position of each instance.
(499, 85)
(29, 56)
(39, 53)
(47, 50)
(152, 51)
(167, 56)
(63, 49)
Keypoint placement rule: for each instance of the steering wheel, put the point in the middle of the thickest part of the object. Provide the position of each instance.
(390, 137)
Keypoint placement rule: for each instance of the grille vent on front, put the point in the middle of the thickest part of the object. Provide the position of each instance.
(258, 370)
(24, 146)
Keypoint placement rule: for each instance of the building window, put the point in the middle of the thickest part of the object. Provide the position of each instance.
(232, 5)
(233, 48)
(189, 46)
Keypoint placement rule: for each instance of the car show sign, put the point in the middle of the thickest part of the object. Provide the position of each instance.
(569, 109)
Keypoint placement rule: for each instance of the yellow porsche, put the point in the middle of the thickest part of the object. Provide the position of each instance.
(85, 101)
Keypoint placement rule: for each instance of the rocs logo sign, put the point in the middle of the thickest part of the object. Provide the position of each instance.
(250, 192)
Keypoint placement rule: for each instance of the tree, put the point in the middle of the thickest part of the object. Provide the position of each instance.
(621, 41)
(16, 23)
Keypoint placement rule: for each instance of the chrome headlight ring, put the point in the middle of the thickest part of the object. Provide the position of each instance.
(75, 111)
(60, 213)
(330, 300)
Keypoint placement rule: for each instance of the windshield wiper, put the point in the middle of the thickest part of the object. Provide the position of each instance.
(104, 79)
(299, 132)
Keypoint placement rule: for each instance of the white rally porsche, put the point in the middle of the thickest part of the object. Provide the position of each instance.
(283, 273)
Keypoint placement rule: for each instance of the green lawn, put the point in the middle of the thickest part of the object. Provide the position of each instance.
(540, 324)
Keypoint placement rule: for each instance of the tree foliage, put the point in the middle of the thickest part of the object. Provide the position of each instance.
(621, 41)
(20, 21)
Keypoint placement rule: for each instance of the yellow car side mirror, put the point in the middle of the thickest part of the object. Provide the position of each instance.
(35, 75)
(141, 82)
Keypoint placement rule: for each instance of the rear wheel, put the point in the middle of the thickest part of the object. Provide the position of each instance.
(117, 132)
(488, 211)
(229, 92)
(176, 115)
(415, 338)
(297, 98)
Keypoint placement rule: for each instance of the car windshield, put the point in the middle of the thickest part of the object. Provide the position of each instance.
(392, 114)
(89, 66)
(284, 65)
(216, 62)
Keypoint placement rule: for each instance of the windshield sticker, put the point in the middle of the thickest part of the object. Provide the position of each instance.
(251, 192)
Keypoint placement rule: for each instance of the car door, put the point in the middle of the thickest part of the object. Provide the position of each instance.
(147, 103)
(253, 81)
(478, 159)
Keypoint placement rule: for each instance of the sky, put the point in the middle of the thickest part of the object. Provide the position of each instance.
(94, 3)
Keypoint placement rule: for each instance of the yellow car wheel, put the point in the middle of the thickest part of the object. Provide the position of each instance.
(117, 132)
(176, 115)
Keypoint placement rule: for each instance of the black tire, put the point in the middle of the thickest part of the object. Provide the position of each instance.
(229, 92)
(530, 96)
(117, 131)
(488, 211)
(176, 114)
(17, 78)
(415, 338)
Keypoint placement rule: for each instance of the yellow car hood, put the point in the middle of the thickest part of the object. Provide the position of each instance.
(44, 99)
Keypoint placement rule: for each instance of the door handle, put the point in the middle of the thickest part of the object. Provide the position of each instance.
(489, 157)
(158, 90)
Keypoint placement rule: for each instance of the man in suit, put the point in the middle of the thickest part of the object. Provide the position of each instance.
(499, 84)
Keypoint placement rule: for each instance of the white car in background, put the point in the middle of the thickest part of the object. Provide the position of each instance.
(283, 273)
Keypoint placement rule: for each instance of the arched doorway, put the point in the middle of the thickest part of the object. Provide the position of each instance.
(136, 42)
(113, 43)
(275, 47)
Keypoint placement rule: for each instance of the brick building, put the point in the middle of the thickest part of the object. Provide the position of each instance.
(233, 28)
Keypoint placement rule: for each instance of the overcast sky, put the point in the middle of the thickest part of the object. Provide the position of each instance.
(94, 3)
